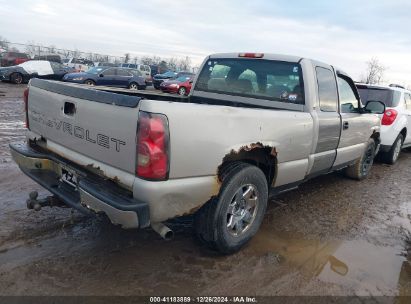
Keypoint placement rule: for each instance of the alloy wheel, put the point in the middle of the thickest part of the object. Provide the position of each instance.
(242, 210)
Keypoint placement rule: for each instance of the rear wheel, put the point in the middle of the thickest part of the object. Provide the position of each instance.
(361, 168)
(16, 78)
(182, 91)
(391, 156)
(229, 221)
(90, 82)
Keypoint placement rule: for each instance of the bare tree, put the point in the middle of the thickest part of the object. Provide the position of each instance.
(32, 49)
(147, 60)
(162, 66)
(4, 43)
(51, 49)
(184, 64)
(76, 53)
(375, 72)
(172, 64)
(126, 57)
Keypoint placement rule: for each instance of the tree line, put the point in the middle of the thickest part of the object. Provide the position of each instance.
(32, 48)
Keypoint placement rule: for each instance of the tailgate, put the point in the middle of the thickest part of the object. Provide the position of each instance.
(100, 125)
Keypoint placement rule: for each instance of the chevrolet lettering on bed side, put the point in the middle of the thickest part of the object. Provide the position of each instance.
(77, 131)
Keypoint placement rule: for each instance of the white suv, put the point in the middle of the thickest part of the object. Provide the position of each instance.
(395, 122)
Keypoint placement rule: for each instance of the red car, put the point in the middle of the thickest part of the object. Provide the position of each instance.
(180, 85)
(13, 58)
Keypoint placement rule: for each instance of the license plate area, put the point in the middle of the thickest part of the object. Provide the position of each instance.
(69, 177)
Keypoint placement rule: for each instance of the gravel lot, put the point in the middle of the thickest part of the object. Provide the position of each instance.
(332, 236)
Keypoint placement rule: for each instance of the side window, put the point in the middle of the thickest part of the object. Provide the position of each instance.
(407, 100)
(327, 89)
(122, 72)
(348, 101)
(109, 72)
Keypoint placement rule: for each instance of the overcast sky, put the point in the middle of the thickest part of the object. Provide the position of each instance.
(343, 33)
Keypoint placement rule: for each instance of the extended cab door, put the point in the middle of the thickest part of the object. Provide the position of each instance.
(355, 127)
(328, 118)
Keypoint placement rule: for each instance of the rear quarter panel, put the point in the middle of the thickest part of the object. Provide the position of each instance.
(201, 135)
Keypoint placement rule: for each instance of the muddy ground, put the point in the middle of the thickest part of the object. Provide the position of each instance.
(332, 236)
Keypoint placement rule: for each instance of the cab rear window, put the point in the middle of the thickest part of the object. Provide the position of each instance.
(254, 78)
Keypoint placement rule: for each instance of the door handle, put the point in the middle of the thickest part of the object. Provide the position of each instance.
(346, 125)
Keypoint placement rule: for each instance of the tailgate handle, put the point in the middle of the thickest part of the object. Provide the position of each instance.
(69, 108)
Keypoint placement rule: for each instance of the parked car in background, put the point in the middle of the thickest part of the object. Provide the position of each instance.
(109, 76)
(180, 85)
(143, 68)
(159, 78)
(79, 64)
(49, 57)
(13, 58)
(396, 120)
(34, 68)
(155, 69)
(105, 64)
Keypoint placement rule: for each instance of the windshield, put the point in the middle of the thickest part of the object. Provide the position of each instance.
(389, 97)
(169, 74)
(135, 72)
(182, 78)
(95, 70)
(255, 78)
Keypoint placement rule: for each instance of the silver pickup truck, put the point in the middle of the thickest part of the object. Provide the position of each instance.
(253, 126)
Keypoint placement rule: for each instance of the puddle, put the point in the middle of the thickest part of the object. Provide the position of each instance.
(358, 266)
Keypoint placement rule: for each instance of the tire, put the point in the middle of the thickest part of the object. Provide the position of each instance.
(225, 223)
(361, 168)
(16, 78)
(182, 91)
(90, 82)
(391, 156)
(133, 86)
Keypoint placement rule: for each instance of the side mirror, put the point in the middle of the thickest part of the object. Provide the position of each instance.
(190, 82)
(101, 75)
(374, 107)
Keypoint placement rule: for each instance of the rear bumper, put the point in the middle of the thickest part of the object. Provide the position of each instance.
(91, 192)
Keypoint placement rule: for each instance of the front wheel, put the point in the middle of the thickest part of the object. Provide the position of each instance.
(229, 221)
(361, 168)
(133, 86)
(182, 91)
(16, 78)
(391, 156)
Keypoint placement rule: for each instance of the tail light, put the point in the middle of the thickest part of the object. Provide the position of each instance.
(389, 117)
(152, 146)
(26, 105)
